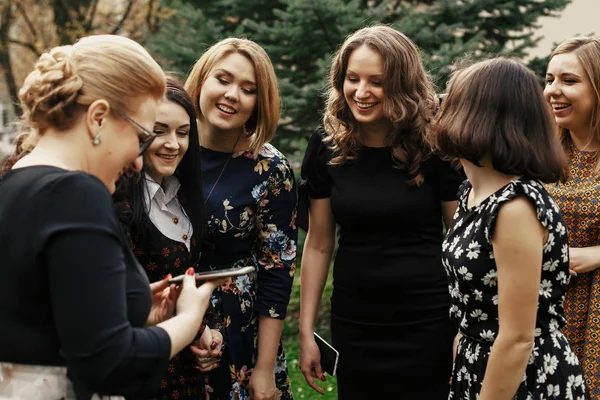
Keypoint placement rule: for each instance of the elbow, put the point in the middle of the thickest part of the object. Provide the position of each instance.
(518, 341)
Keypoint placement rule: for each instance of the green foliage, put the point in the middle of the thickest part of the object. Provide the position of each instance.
(301, 36)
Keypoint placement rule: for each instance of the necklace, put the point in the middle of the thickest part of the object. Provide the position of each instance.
(224, 166)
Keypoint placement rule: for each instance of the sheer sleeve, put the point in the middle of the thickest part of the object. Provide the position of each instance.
(315, 182)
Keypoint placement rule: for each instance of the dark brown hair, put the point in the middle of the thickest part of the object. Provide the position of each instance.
(409, 103)
(495, 109)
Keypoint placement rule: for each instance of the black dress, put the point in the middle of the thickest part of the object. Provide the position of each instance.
(553, 371)
(72, 293)
(389, 307)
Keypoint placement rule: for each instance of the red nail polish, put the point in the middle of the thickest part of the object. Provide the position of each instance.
(167, 277)
(190, 271)
(213, 345)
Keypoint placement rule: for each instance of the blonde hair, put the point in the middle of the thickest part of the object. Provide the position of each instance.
(587, 51)
(264, 119)
(67, 79)
(409, 103)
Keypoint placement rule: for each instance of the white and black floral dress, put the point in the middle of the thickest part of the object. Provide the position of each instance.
(553, 371)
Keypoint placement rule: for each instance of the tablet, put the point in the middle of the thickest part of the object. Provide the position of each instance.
(216, 274)
(329, 355)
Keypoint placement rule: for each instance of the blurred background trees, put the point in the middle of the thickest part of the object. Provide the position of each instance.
(299, 35)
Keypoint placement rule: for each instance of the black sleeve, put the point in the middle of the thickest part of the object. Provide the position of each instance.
(446, 178)
(315, 182)
(87, 274)
(314, 167)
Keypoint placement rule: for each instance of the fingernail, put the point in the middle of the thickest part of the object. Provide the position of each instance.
(220, 354)
(167, 277)
(323, 378)
(575, 274)
(190, 271)
(213, 345)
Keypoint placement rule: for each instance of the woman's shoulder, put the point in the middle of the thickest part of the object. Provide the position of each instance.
(57, 181)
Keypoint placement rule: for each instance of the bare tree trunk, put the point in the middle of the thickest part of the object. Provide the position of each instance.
(5, 21)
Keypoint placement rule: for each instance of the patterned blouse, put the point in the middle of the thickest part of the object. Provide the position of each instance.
(579, 202)
(251, 212)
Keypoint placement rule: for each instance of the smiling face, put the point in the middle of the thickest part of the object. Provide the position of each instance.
(570, 93)
(228, 96)
(363, 85)
(166, 151)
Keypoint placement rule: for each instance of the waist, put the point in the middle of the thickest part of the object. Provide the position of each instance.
(488, 337)
(38, 382)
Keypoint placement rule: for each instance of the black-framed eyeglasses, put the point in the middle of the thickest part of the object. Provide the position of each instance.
(145, 136)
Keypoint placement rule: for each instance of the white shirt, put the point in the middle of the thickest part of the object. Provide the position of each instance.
(165, 211)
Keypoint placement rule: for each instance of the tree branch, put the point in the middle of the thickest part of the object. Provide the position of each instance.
(92, 13)
(323, 28)
(123, 17)
(5, 62)
(27, 45)
(27, 20)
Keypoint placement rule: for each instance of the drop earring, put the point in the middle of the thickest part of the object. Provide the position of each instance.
(96, 141)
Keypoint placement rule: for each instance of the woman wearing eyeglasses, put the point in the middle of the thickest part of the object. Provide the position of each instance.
(75, 302)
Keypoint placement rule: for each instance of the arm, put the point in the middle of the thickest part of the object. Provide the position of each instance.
(87, 279)
(584, 259)
(448, 210)
(518, 247)
(318, 249)
(277, 239)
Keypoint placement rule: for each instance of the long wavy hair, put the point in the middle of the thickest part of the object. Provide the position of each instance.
(409, 104)
(587, 51)
(129, 196)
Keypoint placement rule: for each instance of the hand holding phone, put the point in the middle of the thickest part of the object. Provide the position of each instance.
(217, 274)
(329, 355)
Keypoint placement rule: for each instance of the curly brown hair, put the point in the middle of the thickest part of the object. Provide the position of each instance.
(409, 103)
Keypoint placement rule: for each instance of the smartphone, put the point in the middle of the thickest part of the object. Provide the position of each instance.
(329, 355)
(217, 274)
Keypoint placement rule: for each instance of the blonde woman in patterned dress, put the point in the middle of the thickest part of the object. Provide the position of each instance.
(572, 89)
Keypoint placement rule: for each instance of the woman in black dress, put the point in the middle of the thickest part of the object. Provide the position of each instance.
(507, 253)
(368, 171)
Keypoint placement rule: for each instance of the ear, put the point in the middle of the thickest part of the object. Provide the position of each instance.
(96, 116)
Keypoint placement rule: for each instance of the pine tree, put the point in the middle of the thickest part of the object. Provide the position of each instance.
(301, 36)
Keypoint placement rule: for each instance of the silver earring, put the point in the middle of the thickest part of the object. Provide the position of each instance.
(96, 141)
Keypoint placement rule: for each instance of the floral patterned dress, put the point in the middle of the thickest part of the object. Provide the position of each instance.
(553, 370)
(251, 213)
(579, 202)
(159, 256)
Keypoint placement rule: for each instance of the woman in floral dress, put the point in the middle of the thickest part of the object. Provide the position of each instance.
(506, 254)
(250, 197)
(572, 82)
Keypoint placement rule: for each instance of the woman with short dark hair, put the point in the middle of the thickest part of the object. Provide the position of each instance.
(506, 255)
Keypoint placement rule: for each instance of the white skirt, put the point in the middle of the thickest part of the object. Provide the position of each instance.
(38, 382)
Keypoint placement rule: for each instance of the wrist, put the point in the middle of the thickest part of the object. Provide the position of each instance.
(306, 333)
(266, 365)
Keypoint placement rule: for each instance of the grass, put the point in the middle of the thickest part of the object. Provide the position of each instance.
(291, 338)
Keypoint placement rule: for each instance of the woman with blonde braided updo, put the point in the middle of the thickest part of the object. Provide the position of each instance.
(76, 303)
